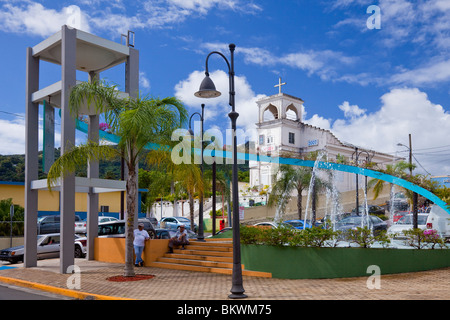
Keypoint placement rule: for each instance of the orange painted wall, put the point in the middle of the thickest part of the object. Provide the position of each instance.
(113, 250)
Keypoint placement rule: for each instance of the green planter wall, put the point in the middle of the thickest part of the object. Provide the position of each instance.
(322, 263)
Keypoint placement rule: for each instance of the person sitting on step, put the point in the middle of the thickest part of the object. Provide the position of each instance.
(180, 238)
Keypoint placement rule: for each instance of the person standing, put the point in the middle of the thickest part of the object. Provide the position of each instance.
(140, 236)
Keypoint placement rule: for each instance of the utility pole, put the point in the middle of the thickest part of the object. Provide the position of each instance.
(415, 196)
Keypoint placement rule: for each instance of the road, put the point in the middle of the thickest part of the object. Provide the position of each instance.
(9, 292)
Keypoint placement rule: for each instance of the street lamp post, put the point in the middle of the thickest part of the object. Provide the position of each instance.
(200, 236)
(208, 90)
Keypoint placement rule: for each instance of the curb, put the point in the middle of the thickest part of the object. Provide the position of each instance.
(61, 291)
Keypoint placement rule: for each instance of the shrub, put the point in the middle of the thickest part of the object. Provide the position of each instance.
(419, 239)
(365, 237)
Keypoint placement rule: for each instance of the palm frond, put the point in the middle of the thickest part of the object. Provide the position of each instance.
(76, 157)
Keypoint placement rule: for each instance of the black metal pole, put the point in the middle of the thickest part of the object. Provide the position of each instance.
(214, 196)
(237, 289)
(200, 236)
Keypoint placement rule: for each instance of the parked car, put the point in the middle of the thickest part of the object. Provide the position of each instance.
(154, 221)
(298, 224)
(439, 220)
(174, 222)
(51, 224)
(48, 246)
(406, 223)
(148, 226)
(398, 215)
(169, 233)
(112, 229)
(354, 222)
(274, 225)
(373, 210)
(116, 229)
(80, 226)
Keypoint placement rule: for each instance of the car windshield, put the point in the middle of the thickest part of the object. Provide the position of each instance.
(351, 220)
(296, 223)
(421, 219)
(183, 219)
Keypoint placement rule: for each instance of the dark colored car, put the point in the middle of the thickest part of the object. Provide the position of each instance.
(353, 222)
(375, 210)
(51, 224)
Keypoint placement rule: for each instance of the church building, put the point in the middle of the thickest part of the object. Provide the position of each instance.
(281, 131)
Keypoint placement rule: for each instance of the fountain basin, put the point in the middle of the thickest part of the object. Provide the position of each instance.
(327, 263)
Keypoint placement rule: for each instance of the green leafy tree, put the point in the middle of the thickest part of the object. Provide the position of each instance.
(137, 122)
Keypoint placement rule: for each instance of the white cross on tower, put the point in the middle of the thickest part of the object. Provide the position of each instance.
(279, 85)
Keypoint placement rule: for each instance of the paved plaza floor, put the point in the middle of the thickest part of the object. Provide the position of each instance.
(189, 285)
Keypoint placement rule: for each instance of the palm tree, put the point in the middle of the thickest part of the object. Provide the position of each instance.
(137, 122)
(294, 178)
(398, 170)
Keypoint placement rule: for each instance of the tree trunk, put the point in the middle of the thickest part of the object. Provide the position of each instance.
(191, 209)
(131, 206)
(299, 203)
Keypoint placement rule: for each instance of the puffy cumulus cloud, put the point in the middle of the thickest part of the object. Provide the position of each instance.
(217, 109)
(403, 111)
(33, 18)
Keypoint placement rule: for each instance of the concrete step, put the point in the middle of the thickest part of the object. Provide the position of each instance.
(186, 267)
(197, 262)
(198, 257)
(203, 252)
(214, 256)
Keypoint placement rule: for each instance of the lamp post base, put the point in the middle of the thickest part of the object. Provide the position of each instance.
(237, 296)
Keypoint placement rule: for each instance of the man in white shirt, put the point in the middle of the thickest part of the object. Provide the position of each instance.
(140, 236)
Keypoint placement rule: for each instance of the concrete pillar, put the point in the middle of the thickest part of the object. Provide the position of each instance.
(68, 79)
(92, 172)
(31, 160)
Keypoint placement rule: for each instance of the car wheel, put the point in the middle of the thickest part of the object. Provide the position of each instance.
(78, 252)
(152, 234)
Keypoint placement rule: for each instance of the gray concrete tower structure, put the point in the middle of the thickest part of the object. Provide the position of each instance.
(73, 50)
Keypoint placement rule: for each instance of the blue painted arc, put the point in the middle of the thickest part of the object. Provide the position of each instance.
(297, 162)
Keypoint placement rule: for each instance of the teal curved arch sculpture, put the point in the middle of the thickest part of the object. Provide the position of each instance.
(369, 173)
(297, 162)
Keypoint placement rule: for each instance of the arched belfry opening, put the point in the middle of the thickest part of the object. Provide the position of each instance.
(292, 113)
(270, 113)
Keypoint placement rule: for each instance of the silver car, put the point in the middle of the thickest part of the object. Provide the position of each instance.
(48, 246)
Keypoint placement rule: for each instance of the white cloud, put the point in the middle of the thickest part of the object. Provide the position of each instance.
(217, 109)
(430, 74)
(33, 18)
(402, 112)
(324, 63)
(144, 83)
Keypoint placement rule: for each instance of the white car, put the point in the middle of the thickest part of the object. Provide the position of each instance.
(439, 220)
(48, 246)
(406, 223)
(80, 226)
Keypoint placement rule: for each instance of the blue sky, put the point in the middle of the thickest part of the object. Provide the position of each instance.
(369, 86)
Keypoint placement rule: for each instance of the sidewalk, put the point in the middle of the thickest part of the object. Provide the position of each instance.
(426, 285)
